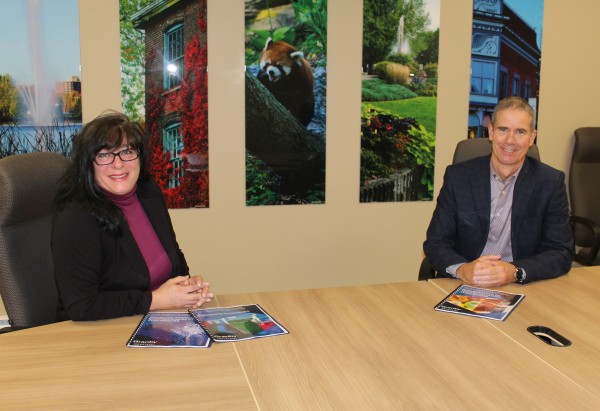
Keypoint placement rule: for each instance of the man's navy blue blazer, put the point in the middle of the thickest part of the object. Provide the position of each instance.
(542, 241)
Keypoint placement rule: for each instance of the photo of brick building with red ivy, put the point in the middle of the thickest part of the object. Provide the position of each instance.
(176, 98)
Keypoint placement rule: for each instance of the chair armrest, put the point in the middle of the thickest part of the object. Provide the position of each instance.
(595, 229)
(426, 271)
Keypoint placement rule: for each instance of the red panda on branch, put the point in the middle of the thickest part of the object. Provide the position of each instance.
(287, 75)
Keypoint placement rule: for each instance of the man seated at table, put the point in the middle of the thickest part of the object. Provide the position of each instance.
(502, 218)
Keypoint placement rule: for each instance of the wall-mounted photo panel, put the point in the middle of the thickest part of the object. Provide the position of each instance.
(40, 76)
(399, 99)
(286, 72)
(505, 57)
(164, 84)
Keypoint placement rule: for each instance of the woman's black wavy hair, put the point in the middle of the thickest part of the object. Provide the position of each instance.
(78, 186)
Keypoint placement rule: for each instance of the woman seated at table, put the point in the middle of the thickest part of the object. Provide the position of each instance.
(114, 247)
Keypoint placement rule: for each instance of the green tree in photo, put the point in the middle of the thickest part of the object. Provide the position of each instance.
(380, 26)
(132, 60)
(9, 98)
(425, 46)
(416, 18)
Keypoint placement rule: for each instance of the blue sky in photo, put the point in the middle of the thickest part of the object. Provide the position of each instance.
(58, 33)
(532, 11)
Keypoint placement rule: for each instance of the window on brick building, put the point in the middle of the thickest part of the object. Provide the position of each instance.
(483, 77)
(173, 53)
(516, 85)
(527, 90)
(173, 144)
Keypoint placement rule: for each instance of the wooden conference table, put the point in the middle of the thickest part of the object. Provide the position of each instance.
(376, 347)
(570, 305)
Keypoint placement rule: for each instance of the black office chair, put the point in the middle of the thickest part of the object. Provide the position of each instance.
(584, 195)
(27, 186)
(466, 150)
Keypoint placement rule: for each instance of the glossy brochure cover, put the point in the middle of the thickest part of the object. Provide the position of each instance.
(480, 302)
(242, 322)
(169, 329)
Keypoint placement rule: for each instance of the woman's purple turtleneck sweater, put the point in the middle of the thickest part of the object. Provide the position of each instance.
(154, 253)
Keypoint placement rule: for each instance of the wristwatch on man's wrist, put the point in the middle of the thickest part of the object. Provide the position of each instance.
(519, 274)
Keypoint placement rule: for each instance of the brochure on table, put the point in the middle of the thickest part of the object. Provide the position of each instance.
(480, 302)
(242, 322)
(169, 329)
(198, 328)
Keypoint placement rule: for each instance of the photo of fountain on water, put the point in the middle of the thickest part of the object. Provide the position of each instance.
(40, 86)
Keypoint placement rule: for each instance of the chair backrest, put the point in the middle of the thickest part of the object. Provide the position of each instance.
(584, 193)
(28, 184)
(476, 147)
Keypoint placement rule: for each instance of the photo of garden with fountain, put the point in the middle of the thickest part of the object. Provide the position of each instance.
(31, 120)
(40, 108)
(399, 100)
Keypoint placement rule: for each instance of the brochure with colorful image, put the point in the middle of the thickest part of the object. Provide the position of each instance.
(480, 302)
(169, 329)
(242, 322)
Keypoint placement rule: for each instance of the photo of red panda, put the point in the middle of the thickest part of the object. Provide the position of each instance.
(285, 79)
(287, 75)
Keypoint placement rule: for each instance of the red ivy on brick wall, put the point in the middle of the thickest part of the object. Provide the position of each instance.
(191, 102)
(160, 166)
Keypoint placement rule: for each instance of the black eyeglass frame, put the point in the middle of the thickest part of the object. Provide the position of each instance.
(136, 150)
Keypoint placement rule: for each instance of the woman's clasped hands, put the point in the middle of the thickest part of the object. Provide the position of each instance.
(181, 292)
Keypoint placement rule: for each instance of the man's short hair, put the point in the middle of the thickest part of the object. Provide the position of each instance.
(514, 103)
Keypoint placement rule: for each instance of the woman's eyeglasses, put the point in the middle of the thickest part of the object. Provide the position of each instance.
(128, 154)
